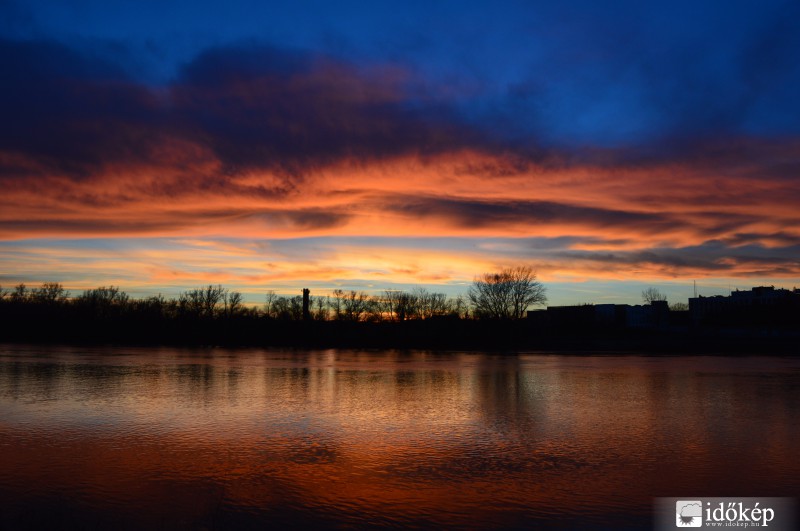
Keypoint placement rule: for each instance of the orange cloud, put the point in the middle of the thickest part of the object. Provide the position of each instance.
(651, 222)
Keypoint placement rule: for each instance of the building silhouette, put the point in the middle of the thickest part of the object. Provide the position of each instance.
(763, 305)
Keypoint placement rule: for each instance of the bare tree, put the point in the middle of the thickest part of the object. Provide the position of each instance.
(105, 301)
(356, 304)
(20, 293)
(232, 303)
(269, 303)
(321, 307)
(202, 302)
(280, 309)
(50, 293)
(407, 304)
(296, 308)
(105, 295)
(337, 304)
(419, 304)
(458, 307)
(437, 304)
(390, 303)
(652, 294)
(377, 309)
(156, 306)
(286, 308)
(429, 304)
(349, 305)
(506, 294)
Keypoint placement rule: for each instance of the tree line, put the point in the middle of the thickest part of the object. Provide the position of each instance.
(505, 294)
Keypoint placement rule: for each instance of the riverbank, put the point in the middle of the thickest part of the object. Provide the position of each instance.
(435, 334)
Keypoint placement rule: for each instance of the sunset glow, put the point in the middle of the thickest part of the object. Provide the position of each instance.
(264, 160)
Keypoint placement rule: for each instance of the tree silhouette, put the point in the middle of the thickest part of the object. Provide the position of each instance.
(50, 293)
(296, 307)
(429, 304)
(20, 293)
(321, 307)
(652, 294)
(349, 305)
(269, 303)
(232, 303)
(104, 302)
(202, 302)
(506, 294)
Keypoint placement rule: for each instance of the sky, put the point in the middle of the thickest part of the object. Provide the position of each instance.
(611, 146)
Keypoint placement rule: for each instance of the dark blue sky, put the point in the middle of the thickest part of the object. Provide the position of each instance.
(574, 73)
(376, 144)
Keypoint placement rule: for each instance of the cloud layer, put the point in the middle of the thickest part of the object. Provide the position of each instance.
(262, 143)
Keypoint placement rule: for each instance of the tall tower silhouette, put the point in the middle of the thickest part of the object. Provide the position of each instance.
(306, 312)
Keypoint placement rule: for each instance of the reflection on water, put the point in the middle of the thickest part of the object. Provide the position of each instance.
(218, 439)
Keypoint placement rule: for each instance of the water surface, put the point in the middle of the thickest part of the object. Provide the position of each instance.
(165, 438)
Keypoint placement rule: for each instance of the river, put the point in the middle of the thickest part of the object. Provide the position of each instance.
(167, 438)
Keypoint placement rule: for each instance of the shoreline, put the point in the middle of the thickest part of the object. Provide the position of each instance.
(463, 336)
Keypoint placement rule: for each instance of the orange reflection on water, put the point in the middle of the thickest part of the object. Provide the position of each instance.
(242, 438)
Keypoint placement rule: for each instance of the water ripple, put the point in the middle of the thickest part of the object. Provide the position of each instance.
(219, 439)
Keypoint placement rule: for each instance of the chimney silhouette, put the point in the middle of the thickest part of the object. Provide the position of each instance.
(306, 313)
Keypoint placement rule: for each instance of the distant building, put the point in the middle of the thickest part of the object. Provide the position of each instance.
(601, 316)
(571, 317)
(759, 305)
(701, 307)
